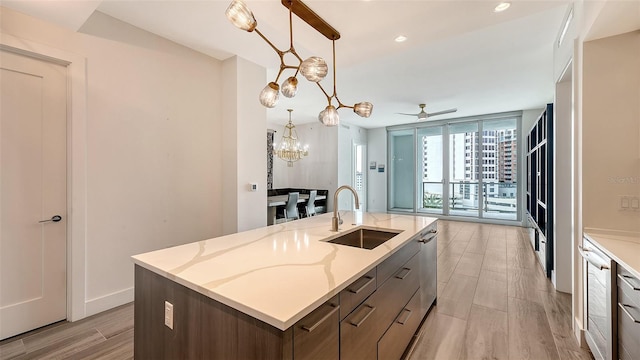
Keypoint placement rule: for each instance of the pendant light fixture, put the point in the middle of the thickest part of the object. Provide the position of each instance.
(289, 149)
(314, 68)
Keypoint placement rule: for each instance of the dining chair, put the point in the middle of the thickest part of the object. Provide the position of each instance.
(291, 208)
(310, 208)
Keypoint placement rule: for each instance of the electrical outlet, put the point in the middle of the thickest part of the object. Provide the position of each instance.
(168, 314)
(624, 202)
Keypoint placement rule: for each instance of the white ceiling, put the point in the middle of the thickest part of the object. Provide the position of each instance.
(458, 53)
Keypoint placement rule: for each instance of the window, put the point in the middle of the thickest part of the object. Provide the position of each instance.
(460, 168)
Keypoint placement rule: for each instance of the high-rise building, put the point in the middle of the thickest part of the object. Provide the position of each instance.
(507, 159)
(490, 156)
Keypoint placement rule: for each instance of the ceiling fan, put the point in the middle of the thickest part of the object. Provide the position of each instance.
(423, 115)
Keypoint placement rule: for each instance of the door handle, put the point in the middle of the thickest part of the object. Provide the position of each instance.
(627, 282)
(370, 311)
(369, 280)
(333, 310)
(406, 272)
(428, 239)
(54, 218)
(406, 318)
(593, 259)
(626, 312)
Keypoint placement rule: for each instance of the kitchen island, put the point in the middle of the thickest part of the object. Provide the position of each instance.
(263, 293)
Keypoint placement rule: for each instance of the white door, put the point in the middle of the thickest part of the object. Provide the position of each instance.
(33, 182)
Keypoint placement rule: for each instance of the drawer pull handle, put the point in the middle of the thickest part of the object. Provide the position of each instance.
(426, 240)
(627, 282)
(319, 322)
(370, 279)
(624, 309)
(593, 259)
(359, 323)
(403, 321)
(406, 272)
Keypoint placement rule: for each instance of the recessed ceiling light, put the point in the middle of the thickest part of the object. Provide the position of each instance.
(401, 38)
(502, 6)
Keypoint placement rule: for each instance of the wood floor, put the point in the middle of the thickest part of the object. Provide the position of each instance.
(493, 303)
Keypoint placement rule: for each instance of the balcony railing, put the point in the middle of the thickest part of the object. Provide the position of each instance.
(497, 200)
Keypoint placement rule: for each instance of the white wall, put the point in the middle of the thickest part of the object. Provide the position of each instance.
(610, 120)
(153, 145)
(228, 146)
(563, 228)
(318, 170)
(529, 117)
(377, 182)
(348, 135)
(244, 144)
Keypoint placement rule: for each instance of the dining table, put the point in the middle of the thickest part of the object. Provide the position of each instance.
(280, 200)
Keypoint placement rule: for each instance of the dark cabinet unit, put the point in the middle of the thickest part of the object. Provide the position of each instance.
(316, 335)
(540, 186)
(374, 317)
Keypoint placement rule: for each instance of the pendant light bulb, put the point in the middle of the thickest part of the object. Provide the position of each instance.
(363, 109)
(290, 87)
(314, 69)
(239, 14)
(269, 95)
(329, 116)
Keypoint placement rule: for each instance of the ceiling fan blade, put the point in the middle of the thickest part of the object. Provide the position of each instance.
(408, 114)
(442, 112)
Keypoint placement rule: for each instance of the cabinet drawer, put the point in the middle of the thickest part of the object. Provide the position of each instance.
(359, 332)
(628, 324)
(396, 292)
(395, 340)
(316, 336)
(629, 284)
(355, 293)
(393, 263)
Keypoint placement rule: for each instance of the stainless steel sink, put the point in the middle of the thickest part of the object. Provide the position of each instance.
(364, 238)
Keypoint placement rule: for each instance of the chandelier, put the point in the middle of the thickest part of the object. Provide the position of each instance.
(290, 149)
(314, 68)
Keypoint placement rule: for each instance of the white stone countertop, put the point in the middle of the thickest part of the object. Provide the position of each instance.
(280, 273)
(622, 246)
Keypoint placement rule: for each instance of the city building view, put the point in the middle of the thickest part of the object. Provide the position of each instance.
(482, 171)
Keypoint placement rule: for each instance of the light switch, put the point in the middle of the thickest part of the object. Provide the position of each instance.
(253, 187)
(635, 203)
(624, 202)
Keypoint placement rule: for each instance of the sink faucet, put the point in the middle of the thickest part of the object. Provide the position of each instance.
(335, 220)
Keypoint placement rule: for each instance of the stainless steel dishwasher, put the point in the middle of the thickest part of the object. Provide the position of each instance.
(600, 298)
(428, 240)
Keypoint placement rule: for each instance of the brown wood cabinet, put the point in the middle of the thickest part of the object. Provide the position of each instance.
(375, 317)
(394, 342)
(316, 336)
(355, 293)
(384, 324)
(359, 332)
(203, 328)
